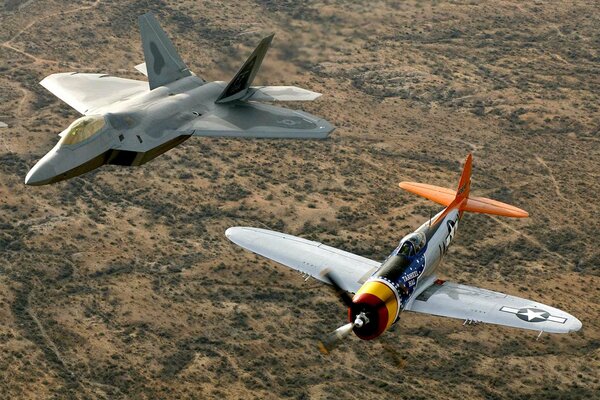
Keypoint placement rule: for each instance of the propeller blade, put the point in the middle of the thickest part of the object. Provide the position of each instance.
(341, 293)
(335, 338)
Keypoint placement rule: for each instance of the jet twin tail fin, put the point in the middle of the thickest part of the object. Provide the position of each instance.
(163, 63)
(239, 85)
(461, 198)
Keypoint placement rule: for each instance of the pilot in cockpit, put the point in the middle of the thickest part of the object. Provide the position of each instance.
(412, 244)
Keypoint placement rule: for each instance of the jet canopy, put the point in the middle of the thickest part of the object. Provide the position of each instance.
(82, 129)
(411, 244)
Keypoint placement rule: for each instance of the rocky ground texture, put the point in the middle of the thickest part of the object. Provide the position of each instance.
(121, 284)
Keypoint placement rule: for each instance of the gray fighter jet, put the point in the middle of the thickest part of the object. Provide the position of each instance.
(130, 122)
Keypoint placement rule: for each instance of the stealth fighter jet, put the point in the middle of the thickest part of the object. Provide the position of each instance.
(130, 122)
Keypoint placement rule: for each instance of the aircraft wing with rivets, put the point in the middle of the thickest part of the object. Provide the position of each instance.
(306, 256)
(473, 304)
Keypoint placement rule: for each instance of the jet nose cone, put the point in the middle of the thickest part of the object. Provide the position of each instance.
(40, 174)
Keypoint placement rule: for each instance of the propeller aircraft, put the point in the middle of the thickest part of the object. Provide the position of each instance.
(406, 280)
(130, 122)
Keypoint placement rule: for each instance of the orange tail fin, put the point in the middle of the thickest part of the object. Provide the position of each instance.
(461, 198)
(464, 185)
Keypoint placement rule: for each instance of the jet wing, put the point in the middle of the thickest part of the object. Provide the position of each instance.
(470, 303)
(88, 92)
(306, 256)
(254, 120)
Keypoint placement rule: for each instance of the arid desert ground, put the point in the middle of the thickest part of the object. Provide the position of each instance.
(121, 284)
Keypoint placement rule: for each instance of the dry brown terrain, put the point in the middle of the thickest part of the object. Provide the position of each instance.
(121, 283)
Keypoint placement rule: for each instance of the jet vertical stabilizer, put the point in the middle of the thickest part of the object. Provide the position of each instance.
(238, 87)
(163, 63)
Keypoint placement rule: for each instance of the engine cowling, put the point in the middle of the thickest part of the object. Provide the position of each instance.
(379, 302)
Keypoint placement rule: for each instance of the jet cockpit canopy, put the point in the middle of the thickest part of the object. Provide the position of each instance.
(411, 244)
(82, 129)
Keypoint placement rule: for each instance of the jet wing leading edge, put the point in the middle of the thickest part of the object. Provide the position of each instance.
(88, 93)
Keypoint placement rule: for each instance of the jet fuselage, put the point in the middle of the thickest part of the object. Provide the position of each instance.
(135, 131)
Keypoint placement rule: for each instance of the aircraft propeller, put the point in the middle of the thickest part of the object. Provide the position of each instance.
(336, 337)
(339, 291)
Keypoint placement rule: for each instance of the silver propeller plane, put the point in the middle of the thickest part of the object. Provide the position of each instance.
(407, 280)
(130, 122)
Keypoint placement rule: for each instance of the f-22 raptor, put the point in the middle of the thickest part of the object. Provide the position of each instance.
(130, 122)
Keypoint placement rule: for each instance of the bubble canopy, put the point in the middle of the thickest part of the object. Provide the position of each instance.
(82, 129)
(411, 244)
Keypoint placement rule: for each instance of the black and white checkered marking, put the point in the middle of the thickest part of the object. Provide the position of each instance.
(532, 314)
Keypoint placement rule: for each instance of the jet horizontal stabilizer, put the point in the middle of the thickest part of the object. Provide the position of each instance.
(142, 68)
(280, 93)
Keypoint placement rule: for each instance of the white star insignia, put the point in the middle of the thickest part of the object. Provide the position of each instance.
(531, 314)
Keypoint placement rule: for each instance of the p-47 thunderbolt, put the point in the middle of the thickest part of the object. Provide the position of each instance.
(406, 280)
(130, 122)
